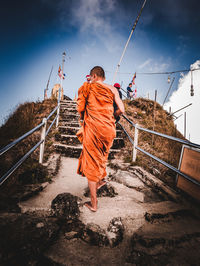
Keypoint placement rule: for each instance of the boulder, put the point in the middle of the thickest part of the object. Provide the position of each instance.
(128, 179)
(95, 235)
(115, 231)
(105, 191)
(65, 206)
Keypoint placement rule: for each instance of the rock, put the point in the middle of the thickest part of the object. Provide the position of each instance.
(128, 179)
(105, 191)
(40, 225)
(94, 235)
(24, 237)
(115, 231)
(71, 235)
(65, 206)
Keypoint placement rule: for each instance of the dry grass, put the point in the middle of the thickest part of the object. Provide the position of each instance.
(141, 111)
(25, 117)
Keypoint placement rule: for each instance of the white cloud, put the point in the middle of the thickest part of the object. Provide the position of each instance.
(146, 63)
(95, 18)
(181, 97)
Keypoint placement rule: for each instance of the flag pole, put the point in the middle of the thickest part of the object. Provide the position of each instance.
(45, 91)
(133, 28)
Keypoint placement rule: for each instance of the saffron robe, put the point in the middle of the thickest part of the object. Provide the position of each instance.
(95, 105)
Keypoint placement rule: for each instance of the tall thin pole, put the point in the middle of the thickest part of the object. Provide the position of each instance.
(169, 90)
(45, 91)
(133, 28)
(184, 124)
(60, 89)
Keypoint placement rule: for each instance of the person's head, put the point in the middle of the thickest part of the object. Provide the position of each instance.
(117, 86)
(130, 85)
(97, 73)
(88, 78)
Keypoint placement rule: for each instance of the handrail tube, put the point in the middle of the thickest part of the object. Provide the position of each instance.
(12, 144)
(13, 168)
(47, 132)
(191, 144)
(52, 112)
(161, 161)
(169, 166)
(131, 140)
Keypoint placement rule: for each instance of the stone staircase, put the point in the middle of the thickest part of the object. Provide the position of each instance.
(67, 142)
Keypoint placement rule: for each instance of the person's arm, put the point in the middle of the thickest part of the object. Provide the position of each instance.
(81, 101)
(117, 100)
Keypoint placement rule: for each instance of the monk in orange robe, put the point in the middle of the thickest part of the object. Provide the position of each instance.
(95, 105)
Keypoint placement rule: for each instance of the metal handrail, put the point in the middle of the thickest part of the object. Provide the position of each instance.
(52, 112)
(41, 142)
(12, 144)
(186, 142)
(14, 167)
(156, 158)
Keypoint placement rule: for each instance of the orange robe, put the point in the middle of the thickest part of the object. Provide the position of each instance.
(95, 103)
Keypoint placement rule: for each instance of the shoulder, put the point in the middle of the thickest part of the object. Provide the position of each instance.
(112, 88)
(84, 89)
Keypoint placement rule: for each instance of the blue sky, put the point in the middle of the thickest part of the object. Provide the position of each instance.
(93, 32)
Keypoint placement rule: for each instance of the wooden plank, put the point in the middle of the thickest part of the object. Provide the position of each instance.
(190, 165)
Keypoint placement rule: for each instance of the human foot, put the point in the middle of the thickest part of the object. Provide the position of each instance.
(101, 184)
(90, 207)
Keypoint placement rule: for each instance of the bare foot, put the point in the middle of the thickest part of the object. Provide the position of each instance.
(89, 206)
(101, 184)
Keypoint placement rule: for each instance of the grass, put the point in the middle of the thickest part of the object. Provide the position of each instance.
(24, 118)
(141, 111)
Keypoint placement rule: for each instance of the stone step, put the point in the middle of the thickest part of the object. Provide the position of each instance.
(73, 140)
(68, 111)
(75, 151)
(67, 102)
(76, 124)
(65, 106)
(69, 124)
(69, 117)
(73, 130)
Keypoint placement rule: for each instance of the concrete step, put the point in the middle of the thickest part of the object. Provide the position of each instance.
(69, 124)
(73, 140)
(68, 110)
(67, 102)
(69, 117)
(75, 151)
(73, 130)
(76, 124)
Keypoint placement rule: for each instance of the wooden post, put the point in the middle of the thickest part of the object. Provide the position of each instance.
(135, 143)
(43, 132)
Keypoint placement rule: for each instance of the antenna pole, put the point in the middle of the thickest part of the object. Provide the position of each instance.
(133, 28)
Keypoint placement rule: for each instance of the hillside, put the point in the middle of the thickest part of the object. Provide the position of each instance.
(141, 111)
(24, 118)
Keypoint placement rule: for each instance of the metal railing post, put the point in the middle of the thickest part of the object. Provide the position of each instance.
(135, 143)
(58, 110)
(43, 133)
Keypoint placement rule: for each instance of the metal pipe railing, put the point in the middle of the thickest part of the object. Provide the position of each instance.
(52, 112)
(153, 156)
(41, 143)
(186, 142)
(14, 167)
(12, 144)
(161, 161)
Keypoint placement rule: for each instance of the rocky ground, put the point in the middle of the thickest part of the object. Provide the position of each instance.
(140, 220)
